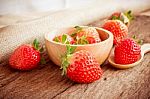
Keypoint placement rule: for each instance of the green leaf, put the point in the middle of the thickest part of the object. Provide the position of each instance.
(64, 38)
(140, 42)
(68, 47)
(129, 15)
(115, 18)
(134, 37)
(73, 34)
(78, 27)
(56, 39)
(85, 41)
(64, 66)
(36, 44)
(67, 42)
(72, 49)
(82, 40)
(65, 58)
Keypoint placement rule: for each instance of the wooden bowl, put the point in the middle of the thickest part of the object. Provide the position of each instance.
(99, 50)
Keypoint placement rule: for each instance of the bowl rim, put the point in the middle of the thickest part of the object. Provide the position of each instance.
(57, 43)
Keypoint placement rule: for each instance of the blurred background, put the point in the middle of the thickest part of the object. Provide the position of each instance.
(13, 11)
(26, 6)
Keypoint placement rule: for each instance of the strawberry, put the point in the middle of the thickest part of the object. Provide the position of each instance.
(80, 66)
(26, 57)
(85, 35)
(127, 52)
(65, 39)
(124, 17)
(117, 28)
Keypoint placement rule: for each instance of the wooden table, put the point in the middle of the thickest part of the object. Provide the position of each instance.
(47, 83)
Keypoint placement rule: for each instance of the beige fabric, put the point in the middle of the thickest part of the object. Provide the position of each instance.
(14, 35)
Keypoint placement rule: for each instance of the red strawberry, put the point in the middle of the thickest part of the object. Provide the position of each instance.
(117, 28)
(85, 35)
(65, 39)
(25, 57)
(127, 52)
(81, 66)
(124, 17)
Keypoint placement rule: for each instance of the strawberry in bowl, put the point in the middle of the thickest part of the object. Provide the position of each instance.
(79, 36)
(65, 39)
(99, 46)
(80, 61)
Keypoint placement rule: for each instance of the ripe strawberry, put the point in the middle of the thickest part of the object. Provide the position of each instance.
(117, 28)
(85, 35)
(127, 52)
(65, 39)
(81, 66)
(124, 17)
(26, 57)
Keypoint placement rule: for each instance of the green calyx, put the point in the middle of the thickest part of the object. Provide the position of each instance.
(56, 39)
(115, 18)
(138, 41)
(129, 15)
(64, 39)
(82, 40)
(124, 17)
(38, 47)
(78, 29)
(65, 58)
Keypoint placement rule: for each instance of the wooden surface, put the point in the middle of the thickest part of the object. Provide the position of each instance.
(47, 83)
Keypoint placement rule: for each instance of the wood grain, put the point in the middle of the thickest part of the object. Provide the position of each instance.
(47, 83)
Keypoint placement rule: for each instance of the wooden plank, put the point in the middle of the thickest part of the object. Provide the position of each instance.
(47, 83)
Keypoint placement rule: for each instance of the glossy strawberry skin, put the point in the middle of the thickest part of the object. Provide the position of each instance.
(83, 68)
(117, 28)
(69, 39)
(127, 52)
(91, 35)
(24, 57)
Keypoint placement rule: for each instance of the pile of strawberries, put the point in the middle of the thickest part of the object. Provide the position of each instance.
(79, 35)
(127, 50)
(81, 66)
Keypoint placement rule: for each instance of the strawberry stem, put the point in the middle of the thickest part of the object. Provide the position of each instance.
(36, 45)
(78, 29)
(65, 58)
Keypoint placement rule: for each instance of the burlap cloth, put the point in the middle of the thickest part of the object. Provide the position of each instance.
(15, 34)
